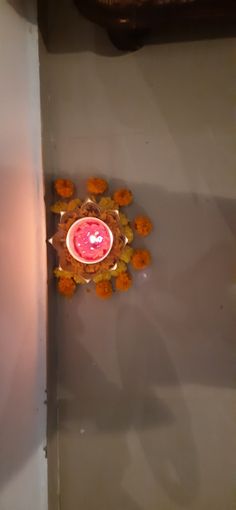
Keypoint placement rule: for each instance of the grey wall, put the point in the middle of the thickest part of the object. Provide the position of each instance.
(23, 469)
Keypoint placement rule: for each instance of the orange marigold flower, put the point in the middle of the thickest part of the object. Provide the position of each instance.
(141, 259)
(123, 281)
(96, 186)
(66, 286)
(123, 196)
(64, 187)
(142, 225)
(104, 289)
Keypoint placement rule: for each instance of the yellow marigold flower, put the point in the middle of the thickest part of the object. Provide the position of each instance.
(123, 196)
(66, 286)
(107, 203)
(121, 268)
(60, 273)
(59, 207)
(127, 254)
(79, 279)
(64, 187)
(102, 276)
(123, 281)
(104, 289)
(123, 219)
(141, 259)
(73, 204)
(96, 186)
(142, 225)
(129, 233)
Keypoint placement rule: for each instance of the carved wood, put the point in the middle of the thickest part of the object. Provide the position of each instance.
(129, 21)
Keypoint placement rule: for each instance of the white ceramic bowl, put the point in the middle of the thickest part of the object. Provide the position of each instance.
(70, 239)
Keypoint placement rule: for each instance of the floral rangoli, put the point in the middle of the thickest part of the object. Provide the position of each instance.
(94, 239)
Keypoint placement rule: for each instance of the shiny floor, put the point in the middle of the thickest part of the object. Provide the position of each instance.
(142, 410)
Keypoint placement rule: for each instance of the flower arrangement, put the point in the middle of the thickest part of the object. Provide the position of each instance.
(110, 272)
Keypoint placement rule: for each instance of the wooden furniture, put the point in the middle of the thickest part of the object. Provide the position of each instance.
(128, 22)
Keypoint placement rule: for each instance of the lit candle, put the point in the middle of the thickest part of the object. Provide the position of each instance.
(89, 240)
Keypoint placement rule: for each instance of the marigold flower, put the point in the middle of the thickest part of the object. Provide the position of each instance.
(104, 289)
(128, 233)
(66, 286)
(127, 254)
(142, 225)
(123, 196)
(60, 273)
(96, 186)
(141, 259)
(121, 268)
(64, 187)
(123, 219)
(106, 275)
(73, 204)
(123, 281)
(78, 279)
(107, 203)
(59, 207)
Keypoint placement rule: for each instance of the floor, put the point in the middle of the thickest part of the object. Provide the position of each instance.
(142, 387)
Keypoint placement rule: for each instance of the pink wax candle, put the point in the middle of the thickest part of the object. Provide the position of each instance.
(89, 240)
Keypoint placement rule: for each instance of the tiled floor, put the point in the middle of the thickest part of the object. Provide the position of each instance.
(146, 382)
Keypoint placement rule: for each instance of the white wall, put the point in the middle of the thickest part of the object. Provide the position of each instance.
(23, 466)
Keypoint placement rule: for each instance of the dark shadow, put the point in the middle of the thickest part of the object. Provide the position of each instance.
(25, 8)
(64, 30)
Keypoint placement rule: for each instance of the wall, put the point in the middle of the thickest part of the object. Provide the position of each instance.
(146, 381)
(23, 468)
